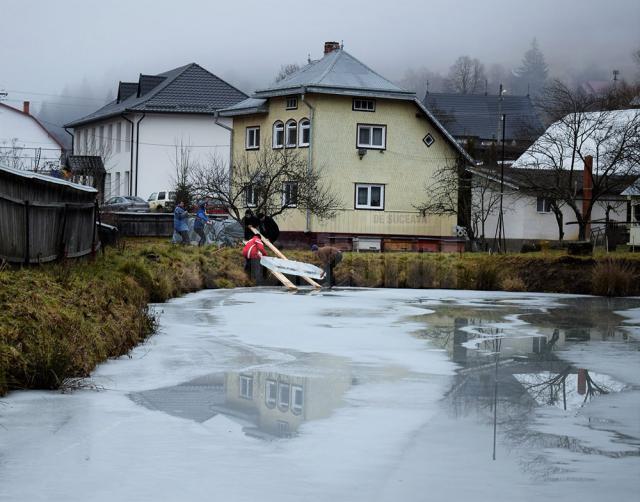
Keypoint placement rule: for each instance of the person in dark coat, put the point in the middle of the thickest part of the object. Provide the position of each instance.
(268, 227)
(249, 220)
(330, 257)
(180, 223)
(201, 220)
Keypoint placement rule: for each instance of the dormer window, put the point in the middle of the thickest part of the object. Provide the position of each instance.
(364, 105)
(278, 134)
(292, 103)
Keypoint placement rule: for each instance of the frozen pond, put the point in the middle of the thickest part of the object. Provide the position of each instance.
(349, 395)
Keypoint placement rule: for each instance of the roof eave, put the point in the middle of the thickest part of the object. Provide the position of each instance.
(345, 91)
(254, 110)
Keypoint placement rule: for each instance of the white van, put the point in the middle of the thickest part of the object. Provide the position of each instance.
(164, 200)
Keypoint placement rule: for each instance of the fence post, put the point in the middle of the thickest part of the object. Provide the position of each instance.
(26, 233)
(95, 222)
(62, 244)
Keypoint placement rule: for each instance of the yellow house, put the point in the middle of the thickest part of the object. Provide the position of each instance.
(375, 143)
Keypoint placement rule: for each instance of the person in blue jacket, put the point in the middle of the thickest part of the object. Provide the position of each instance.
(180, 223)
(201, 220)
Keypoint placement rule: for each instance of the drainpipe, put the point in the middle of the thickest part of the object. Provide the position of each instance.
(137, 149)
(216, 119)
(131, 156)
(309, 165)
(73, 142)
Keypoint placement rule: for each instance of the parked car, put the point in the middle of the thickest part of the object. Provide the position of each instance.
(164, 200)
(125, 203)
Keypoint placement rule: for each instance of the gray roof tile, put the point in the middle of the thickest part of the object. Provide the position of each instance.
(187, 89)
(477, 115)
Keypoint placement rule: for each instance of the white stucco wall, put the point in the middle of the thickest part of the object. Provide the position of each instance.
(159, 135)
(523, 221)
(22, 139)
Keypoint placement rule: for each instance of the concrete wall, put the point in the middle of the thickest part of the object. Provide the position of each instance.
(404, 167)
(159, 136)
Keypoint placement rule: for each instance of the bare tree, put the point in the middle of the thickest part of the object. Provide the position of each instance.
(466, 76)
(286, 70)
(271, 181)
(12, 154)
(556, 160)
(184, 166)
(421, 80)
(454, 190)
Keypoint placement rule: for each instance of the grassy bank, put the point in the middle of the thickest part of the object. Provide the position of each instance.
(58, 321)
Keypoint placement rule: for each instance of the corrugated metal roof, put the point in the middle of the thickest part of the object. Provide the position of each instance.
(45, 178)
(187, 89)
(337, 70)
(478, 116)
(248, 106)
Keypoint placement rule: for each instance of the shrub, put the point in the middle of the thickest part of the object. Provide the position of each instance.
(487, 276)
(513, 283)
(612, 278)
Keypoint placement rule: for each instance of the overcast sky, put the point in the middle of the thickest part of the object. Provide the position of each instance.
(46, 44)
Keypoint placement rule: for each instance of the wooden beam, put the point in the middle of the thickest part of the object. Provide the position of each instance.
(279, 254)
(282, 278)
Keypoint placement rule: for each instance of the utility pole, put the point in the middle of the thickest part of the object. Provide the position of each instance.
(500, 238)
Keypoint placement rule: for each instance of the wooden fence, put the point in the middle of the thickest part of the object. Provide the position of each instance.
(44, 218)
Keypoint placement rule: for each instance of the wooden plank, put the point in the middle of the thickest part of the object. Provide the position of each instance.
(283, 279)
(280, 255)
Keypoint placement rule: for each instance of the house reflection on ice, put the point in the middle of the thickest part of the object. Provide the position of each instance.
(267, 404)
(467, 331)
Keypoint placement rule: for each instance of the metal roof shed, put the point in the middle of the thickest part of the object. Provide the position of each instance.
(43, 218)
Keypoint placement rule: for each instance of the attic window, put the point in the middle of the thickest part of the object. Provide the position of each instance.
(292, 103)
(428, 140)
(364, 105)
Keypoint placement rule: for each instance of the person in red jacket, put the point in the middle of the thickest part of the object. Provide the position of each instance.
(253, 250)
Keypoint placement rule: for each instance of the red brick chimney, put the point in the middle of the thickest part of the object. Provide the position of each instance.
(587, 189)
(330, 47)
(25, 107)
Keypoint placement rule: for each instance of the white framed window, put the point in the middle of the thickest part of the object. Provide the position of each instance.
(283, 429)
(107, 186)
(117, 187)
(284, 397)
(77, 142)
(369, 196)
(289, 194)
(372, 136)
(246, 387)
(250, 196)
(364, 105)
(110, 137)
(305, 132)
(126, 183)
(278, 134)
(292, 104)
(291, 134)
(118, 137)
(127, 139)
(85, 141)
(297, 399)
(271, 393)
(543, 205)
(252, 138)
(93, 139)
(101, 138)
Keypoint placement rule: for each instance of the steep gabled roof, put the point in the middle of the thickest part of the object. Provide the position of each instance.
(187, 89)
(336, 73)
(478, 116)
(53, 138)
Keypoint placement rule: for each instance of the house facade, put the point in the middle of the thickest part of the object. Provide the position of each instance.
(25, 143)
(152, 124)
(375, 144)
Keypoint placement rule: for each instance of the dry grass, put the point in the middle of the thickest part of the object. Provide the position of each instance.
(611, 277)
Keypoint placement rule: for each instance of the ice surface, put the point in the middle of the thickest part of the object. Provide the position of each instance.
(395, 404)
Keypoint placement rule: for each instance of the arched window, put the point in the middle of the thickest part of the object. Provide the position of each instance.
(292, 134)
(305, 132)
(278, 134)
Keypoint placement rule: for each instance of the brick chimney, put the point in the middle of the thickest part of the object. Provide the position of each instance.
(587, 189)
(25, 107)
(330, 47)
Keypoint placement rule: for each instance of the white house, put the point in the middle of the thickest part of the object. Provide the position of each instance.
(25, 143)
(140, 133)
(588, 159)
